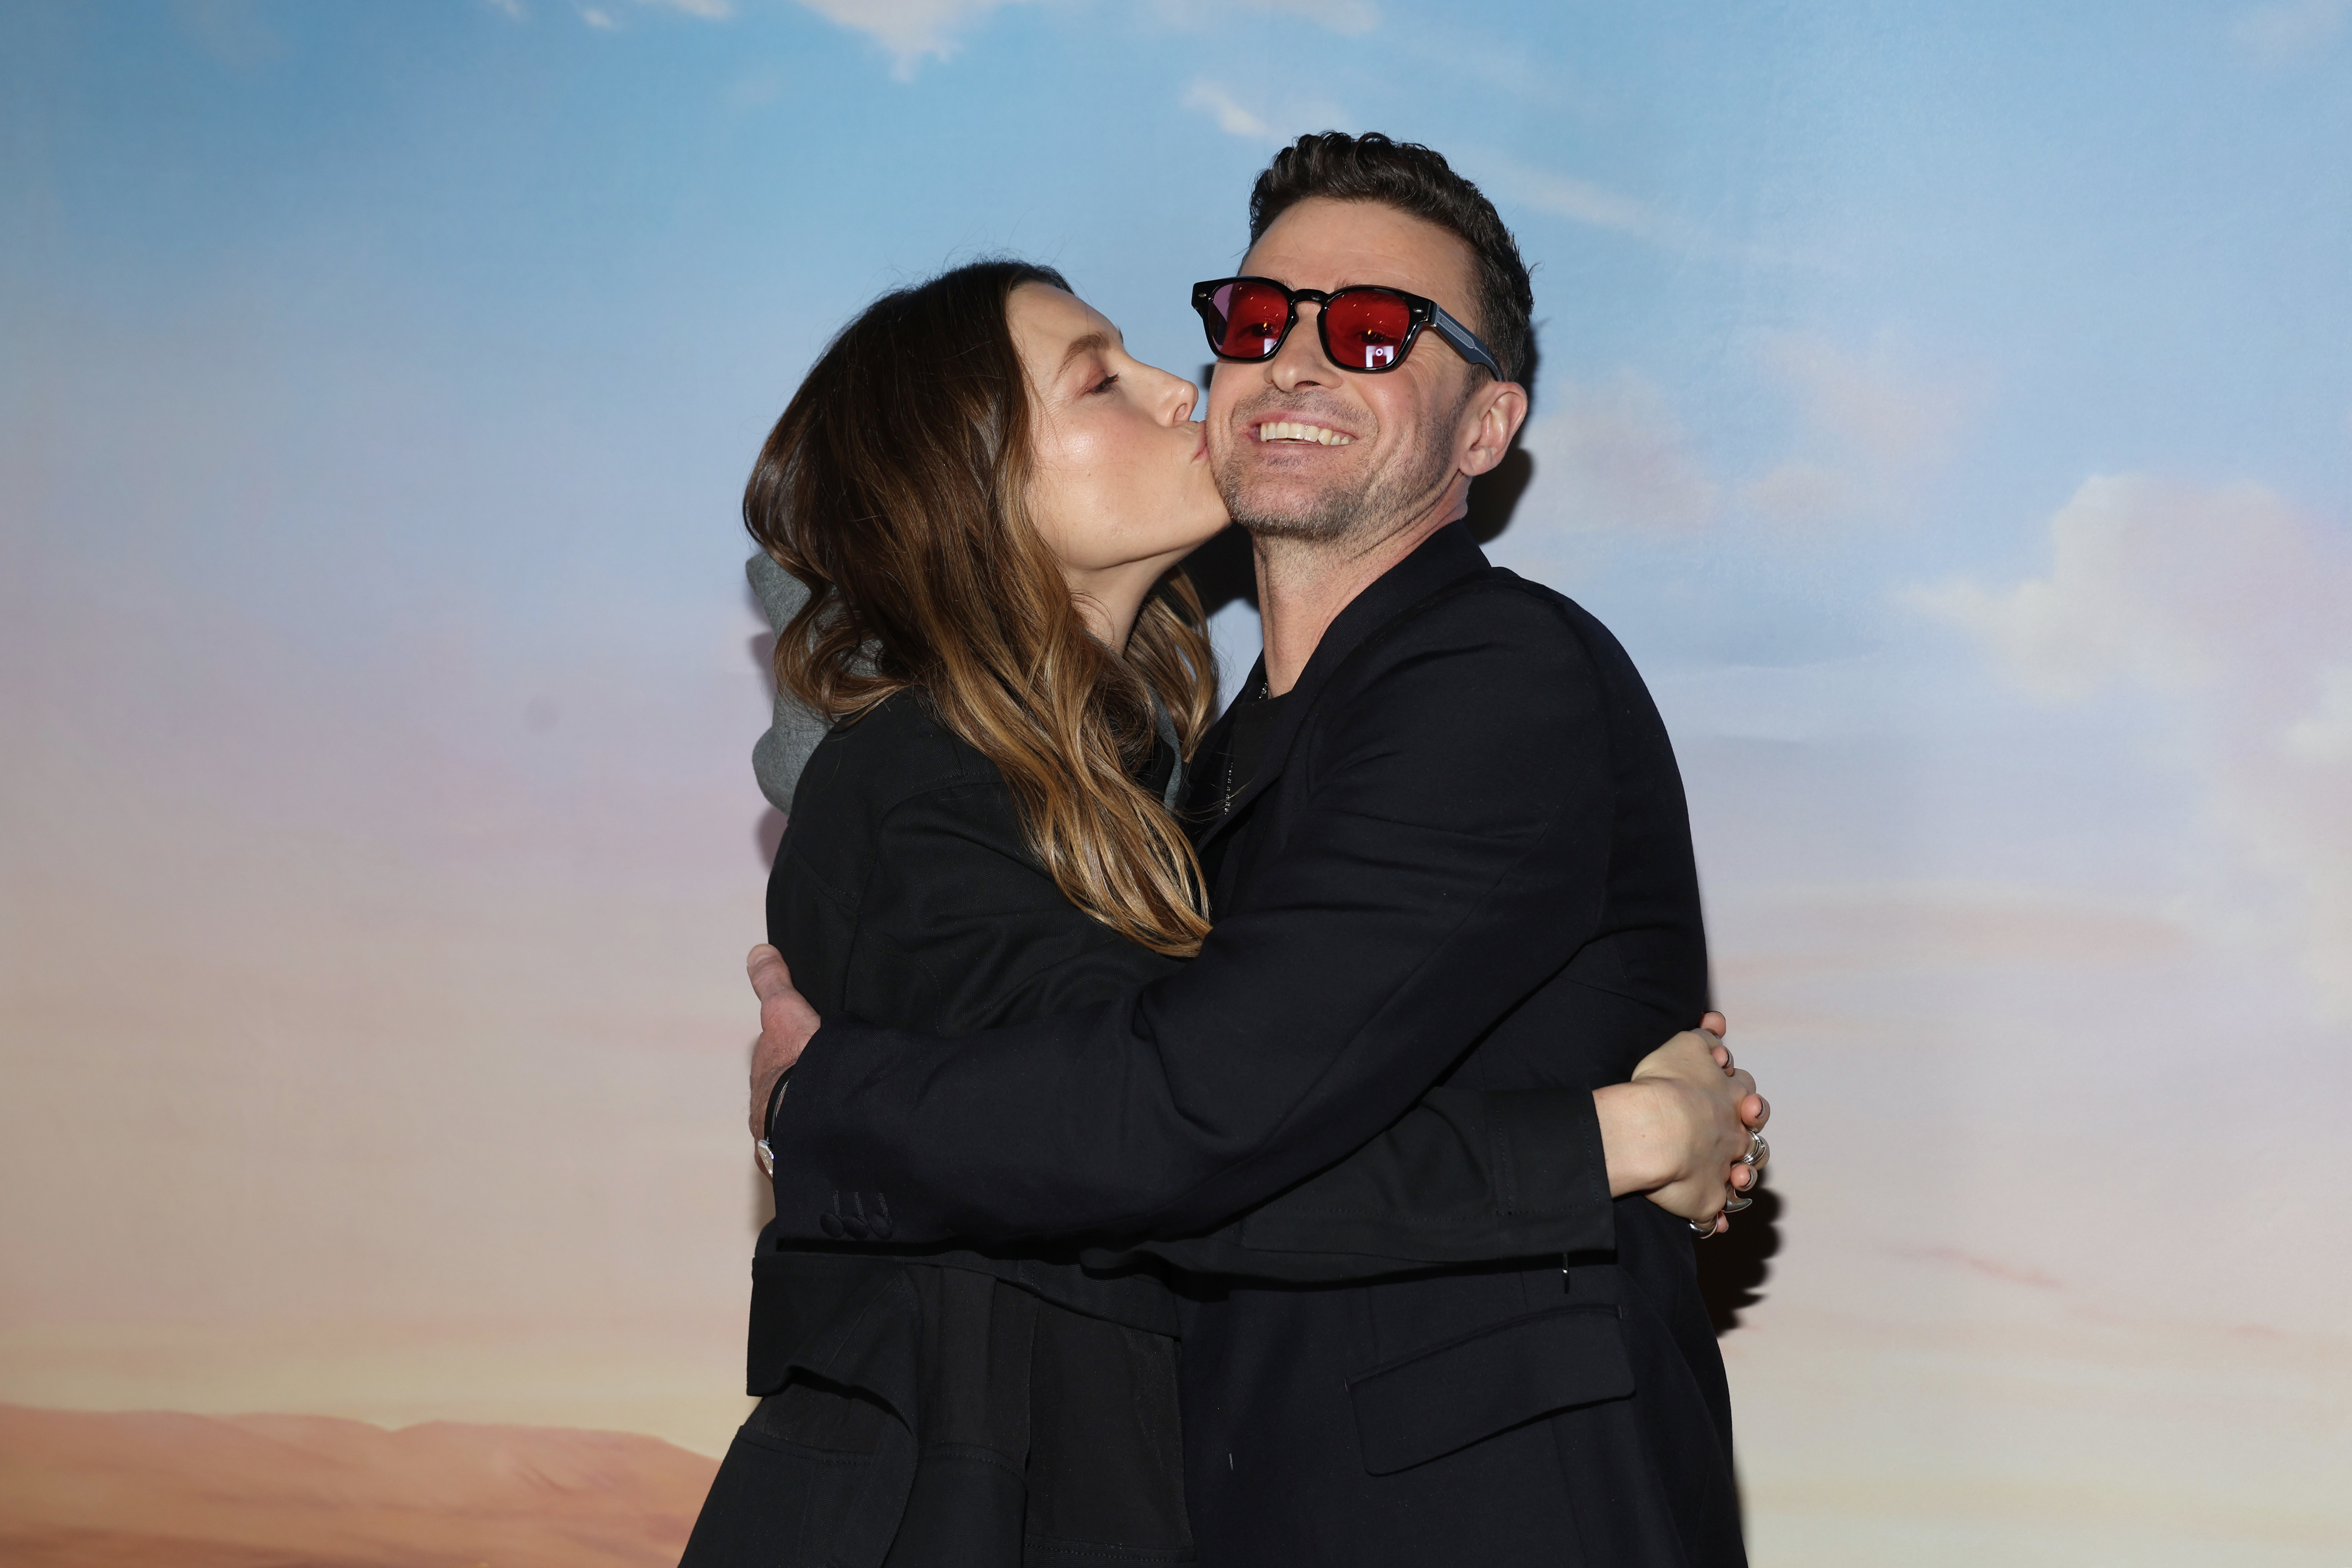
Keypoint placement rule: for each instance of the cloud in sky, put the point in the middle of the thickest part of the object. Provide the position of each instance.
(233, 33)
(1874, 400)
(1804, 492)
(1849, 926)
(1270, 126)
(2282, 33)
(1566, 196)
(1350, 18)
(911, 30)
(597, 16)
(1232, 117)
(2327, 735)
(1874, 420)
(2229, 605)
(1614, 457)
(1513, 184)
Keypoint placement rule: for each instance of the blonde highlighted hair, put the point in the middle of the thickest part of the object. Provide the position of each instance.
(894, 486)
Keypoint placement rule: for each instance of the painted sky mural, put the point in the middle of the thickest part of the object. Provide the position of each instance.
(1950, 408)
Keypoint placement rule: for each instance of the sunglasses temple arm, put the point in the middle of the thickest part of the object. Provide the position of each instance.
(1465, 342)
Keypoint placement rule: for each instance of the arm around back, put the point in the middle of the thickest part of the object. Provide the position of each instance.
(1467, 1176)
(928, 906)
(1448, 854)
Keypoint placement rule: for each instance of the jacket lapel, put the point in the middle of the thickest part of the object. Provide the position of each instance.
(1446, 556)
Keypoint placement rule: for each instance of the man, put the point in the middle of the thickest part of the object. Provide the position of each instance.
(1445, 843)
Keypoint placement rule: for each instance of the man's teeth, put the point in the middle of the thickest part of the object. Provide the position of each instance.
(1282, 430)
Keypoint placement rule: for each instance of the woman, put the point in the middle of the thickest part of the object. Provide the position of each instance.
(987, 498)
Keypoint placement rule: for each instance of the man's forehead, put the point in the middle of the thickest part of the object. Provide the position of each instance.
(1328, 245)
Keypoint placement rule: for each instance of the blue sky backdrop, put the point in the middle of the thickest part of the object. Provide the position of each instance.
(1950, 406)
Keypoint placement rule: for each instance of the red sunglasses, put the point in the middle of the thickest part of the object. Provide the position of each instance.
(1365, 327)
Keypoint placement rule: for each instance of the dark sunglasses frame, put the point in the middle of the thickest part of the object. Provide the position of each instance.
(1422, 310)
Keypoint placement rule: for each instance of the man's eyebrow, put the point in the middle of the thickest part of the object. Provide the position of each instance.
(1092, 344)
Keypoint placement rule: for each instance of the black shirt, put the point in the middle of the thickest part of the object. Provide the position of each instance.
(1254, 720)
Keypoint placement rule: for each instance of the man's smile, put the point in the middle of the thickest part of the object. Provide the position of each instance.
(1272, 430)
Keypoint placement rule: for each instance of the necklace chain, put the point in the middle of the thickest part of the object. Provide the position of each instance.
(1265, 690)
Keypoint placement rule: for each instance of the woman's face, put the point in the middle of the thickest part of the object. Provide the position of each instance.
(1120, 488)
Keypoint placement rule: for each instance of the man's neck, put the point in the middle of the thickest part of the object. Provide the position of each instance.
(1303, 584)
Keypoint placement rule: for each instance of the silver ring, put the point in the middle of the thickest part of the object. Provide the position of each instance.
(1758, 1150)
(1735, 1204)
(1701, 1232)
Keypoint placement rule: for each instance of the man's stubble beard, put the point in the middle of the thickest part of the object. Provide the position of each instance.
(1370, 507)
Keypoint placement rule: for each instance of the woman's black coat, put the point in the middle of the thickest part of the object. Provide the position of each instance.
(941, 1407)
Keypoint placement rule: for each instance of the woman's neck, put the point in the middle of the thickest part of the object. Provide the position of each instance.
(1110, 598)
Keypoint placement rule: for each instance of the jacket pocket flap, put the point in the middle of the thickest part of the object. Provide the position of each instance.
(801, 1304)
(1412, 1411)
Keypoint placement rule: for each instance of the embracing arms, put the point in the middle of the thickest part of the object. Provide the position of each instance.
(1465, 1177)
(1433, 886)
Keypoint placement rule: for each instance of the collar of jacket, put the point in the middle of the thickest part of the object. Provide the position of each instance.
(1446, 556)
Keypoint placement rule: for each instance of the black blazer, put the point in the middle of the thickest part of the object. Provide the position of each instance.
(1464, 861)
(1016, 1403)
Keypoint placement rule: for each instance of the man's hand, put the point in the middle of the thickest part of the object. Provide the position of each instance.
(1679, 1130)
(787, 1022)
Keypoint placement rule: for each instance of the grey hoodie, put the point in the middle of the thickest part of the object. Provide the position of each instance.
(781, 754)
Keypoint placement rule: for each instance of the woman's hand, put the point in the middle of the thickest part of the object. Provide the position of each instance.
(1680, 1129)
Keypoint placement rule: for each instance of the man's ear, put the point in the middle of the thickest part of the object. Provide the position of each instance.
(1489, 421)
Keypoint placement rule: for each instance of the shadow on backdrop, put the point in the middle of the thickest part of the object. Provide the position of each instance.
(1222, 571)
(1494, 495)
(1733, 1267)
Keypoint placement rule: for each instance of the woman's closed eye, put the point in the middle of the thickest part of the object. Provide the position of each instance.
(1103, 385)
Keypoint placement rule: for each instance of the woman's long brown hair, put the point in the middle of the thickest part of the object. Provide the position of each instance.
(894, 486)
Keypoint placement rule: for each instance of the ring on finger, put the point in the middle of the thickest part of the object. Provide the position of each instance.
(1701, 1230)
(1758, 1150)
(1733, 1205)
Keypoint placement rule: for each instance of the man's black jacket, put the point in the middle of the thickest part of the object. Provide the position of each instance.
(1463, 860)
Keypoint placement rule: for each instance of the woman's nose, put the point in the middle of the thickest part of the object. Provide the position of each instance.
(1183, 394)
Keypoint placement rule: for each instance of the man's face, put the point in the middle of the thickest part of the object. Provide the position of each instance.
(1304, 449)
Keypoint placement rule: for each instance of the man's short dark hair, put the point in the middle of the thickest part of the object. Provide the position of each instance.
(1415, 181)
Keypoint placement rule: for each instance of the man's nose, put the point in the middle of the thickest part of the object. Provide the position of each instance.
(1300, 362)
